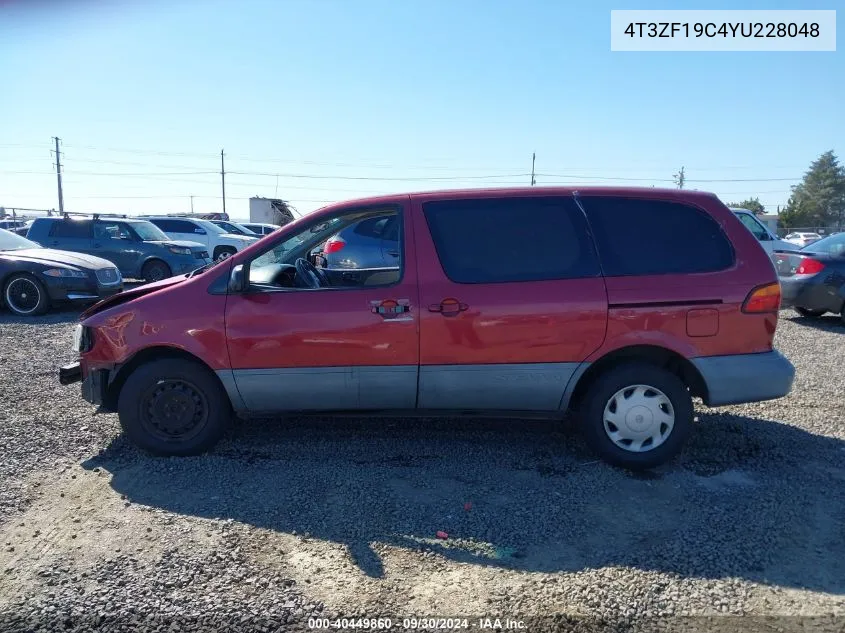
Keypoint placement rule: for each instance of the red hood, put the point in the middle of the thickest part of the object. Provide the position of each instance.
(128, 295)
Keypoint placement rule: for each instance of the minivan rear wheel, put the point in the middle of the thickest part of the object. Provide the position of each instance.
(637, 416)
(173, 407)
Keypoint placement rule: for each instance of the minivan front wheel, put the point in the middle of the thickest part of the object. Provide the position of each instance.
(637, 416)
(173, 407)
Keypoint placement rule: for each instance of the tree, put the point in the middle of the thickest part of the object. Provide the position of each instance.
(751, 204)
(819, 199)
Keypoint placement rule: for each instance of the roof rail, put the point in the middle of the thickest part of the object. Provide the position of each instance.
(95, 216)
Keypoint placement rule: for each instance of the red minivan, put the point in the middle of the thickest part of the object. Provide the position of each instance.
(618, 304)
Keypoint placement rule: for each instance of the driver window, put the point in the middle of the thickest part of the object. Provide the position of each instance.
(110, 231)
(346, 251)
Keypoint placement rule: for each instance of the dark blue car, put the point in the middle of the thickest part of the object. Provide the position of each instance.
(137, 247)
(812, 279)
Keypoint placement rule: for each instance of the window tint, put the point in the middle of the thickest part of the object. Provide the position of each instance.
(511, 239)
(656, 237)
(79, 229)
(175, 226)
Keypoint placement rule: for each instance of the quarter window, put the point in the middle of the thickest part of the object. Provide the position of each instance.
(511, 239)
(639, 236)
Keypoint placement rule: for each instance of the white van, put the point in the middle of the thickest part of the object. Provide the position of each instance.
(769, 240)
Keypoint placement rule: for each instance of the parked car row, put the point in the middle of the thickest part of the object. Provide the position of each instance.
(566, 300)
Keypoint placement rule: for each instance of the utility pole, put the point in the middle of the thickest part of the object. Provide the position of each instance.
(59, 175)
(680, 178)
(223, 179)
(192, 205)
(533, 160)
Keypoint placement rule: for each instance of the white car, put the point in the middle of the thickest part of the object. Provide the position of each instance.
(260, 227)
(802, 239)
(219, 243)
(768, 240)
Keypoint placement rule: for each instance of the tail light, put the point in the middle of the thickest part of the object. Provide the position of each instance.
(333, 245)
(809, 267)
(763, 299)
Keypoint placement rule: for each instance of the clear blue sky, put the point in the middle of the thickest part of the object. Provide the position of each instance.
(390, 90)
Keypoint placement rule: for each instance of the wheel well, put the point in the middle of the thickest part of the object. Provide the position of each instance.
(224, 247)
(155, 260)
(652, 354)
(144, 356)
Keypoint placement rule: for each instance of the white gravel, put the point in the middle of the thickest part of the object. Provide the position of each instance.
(332, 517)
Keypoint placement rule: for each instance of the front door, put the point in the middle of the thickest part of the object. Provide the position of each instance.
(299, 340)
(115, 242)
(512, 301)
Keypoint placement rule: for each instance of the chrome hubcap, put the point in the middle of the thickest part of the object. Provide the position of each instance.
(639, 418)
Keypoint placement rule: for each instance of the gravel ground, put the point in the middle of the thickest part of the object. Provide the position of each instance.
(338, 517)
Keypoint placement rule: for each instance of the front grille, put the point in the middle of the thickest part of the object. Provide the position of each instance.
(201, 254)
(108, 276)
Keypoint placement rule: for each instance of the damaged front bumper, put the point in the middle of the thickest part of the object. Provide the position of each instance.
(94, 384)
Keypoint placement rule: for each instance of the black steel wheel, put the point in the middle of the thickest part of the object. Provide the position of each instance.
(173, 407)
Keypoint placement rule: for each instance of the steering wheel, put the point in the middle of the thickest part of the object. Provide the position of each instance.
(308, 274)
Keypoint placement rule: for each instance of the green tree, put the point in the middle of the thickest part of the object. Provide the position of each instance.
(819, 200)
(751, 204)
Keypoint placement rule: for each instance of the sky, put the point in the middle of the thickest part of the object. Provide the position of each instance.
(316, 101)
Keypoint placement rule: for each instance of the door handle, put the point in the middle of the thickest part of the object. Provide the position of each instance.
(393, 253)
(97, 245)
(448, 307)
(54, 243)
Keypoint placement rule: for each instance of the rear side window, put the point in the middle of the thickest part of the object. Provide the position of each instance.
(176, 226)
(79, 229)
(656, 237)
(511, 239)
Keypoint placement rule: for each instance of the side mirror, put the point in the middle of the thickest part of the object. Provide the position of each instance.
(765, 237)
(237, 280)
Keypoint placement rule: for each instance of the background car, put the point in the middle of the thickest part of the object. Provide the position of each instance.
(33, 278)
(371, 243)
(260, 228)
(802, 239)
(138, 248)
(234, 228)
(813, 279)
(218, 242)
(768, 240)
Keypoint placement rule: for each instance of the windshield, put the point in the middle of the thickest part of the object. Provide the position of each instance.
(833, 244)
(149, 232)
(12, 242)
(211, 227)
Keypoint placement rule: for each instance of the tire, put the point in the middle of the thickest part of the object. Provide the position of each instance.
(198, 406)
(155, 270)
(644, 382)
(223, 252)
(24, 295)
(810, 314)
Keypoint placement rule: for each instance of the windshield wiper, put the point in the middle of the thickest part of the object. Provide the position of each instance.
(201, 269)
